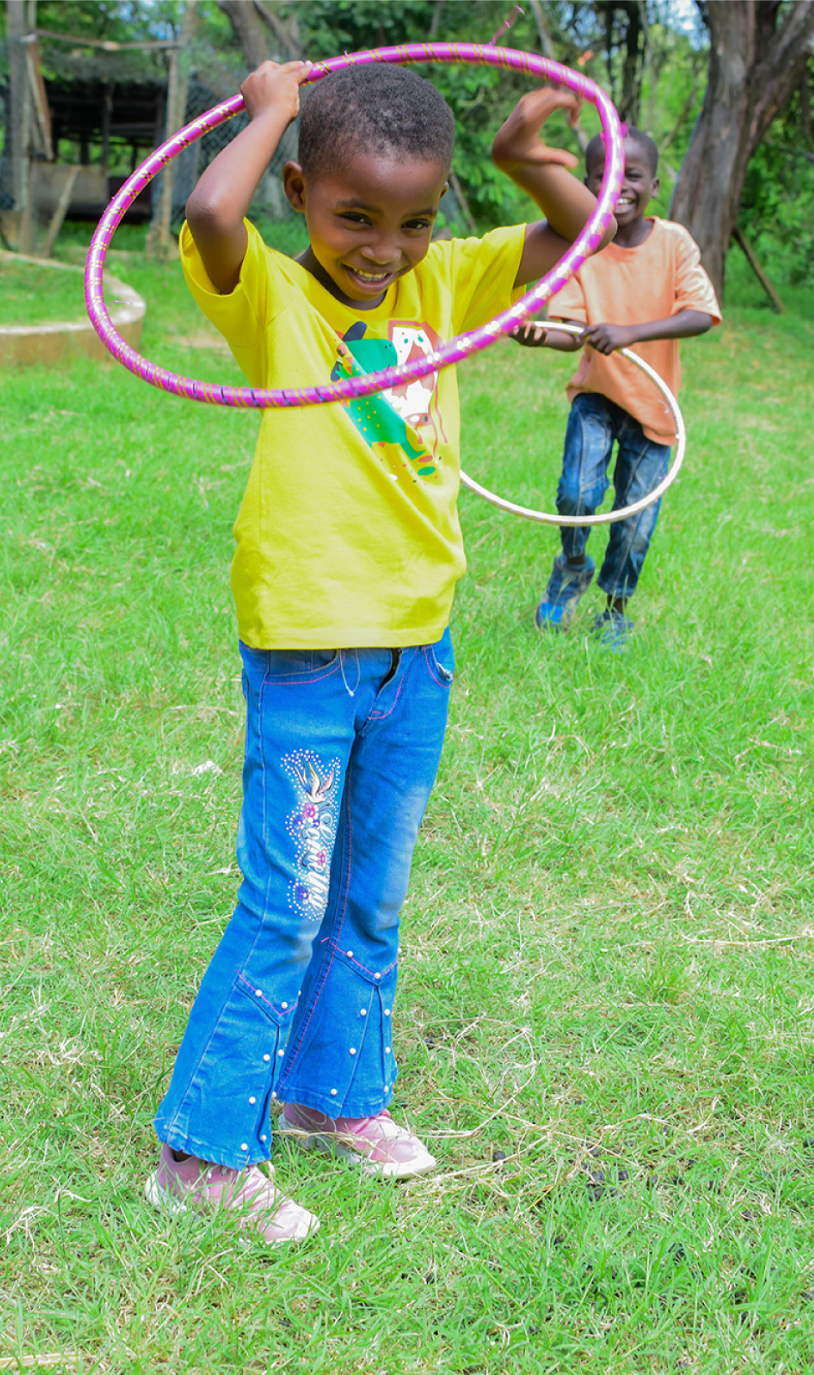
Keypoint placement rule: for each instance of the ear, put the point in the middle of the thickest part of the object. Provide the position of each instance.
(444, 192)
(656, 186)
(294, 186)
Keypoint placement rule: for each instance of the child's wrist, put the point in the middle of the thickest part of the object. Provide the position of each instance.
(544, 156)
(538, 156)
(273, 111)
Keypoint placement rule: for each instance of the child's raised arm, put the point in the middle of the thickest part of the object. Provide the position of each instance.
(216, 208)
(542, 173)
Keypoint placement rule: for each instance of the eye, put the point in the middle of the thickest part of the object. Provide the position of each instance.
(354, 217)
(421, 224)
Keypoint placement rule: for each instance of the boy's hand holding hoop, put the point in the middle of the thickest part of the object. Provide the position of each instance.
(275, 85)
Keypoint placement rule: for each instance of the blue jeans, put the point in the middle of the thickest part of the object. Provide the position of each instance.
(342, 749)
(594, 424)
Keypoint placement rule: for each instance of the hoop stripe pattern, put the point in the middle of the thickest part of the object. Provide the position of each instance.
(453, 352)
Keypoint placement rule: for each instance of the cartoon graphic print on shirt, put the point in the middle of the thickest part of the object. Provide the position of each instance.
(312, 825)
(391, 419)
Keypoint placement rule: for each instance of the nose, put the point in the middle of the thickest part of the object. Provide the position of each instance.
(381, 251)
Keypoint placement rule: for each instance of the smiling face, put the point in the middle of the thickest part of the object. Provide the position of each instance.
(369, 222)
(639, 183)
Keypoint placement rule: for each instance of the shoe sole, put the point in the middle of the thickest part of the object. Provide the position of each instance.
(380, 1169)
(159, 1199)
(165, 1202)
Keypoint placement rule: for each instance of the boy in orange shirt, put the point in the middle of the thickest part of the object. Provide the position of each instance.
(651, 284)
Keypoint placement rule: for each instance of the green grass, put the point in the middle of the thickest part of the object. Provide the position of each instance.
(31, 293)
(606, 1006)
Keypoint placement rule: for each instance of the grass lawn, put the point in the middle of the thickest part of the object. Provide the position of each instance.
(32, 294)
(606, 1000)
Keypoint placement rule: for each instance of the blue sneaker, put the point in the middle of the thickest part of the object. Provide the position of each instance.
(565, 587)
(613, 630)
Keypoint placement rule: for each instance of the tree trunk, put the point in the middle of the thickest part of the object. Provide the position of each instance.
(261, 33)
(755, 63)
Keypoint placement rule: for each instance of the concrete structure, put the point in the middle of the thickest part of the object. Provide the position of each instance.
(51, 342)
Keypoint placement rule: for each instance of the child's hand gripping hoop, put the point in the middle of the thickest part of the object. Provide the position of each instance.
(453, 352)
(605, 518)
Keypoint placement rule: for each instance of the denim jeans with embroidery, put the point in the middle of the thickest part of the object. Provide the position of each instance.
(342, 750)
(594, 425)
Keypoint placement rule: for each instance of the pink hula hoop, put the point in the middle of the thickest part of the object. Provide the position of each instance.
(452, 352)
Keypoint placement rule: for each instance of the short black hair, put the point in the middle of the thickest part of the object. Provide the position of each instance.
(645, 142)
(377, 108)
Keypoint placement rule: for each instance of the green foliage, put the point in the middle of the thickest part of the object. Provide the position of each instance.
(593, 35)
(480, 97)
(777, 206)
(664, 59)
(671, 67)
(672, 93)
(112, 20)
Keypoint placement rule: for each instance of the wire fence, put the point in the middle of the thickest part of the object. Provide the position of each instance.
(269, 199)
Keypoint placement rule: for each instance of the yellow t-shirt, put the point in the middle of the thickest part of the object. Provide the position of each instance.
(628, 286)
(348, 532)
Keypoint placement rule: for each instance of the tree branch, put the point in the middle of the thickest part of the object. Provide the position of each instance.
(775, 76)
(288, 39)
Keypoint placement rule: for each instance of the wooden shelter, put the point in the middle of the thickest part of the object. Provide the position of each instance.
(80, 115)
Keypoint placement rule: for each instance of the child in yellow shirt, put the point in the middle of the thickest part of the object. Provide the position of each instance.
(348, 548)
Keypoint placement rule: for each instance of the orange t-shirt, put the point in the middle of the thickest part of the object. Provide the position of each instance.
(628, 286)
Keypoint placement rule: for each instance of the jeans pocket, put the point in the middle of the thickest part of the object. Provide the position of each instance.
(290, 665)
(441, 660)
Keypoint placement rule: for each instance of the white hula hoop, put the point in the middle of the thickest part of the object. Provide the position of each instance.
(605, 518)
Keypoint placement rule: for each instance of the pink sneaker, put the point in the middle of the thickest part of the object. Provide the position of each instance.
(376, 1144)
(261, 1209)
